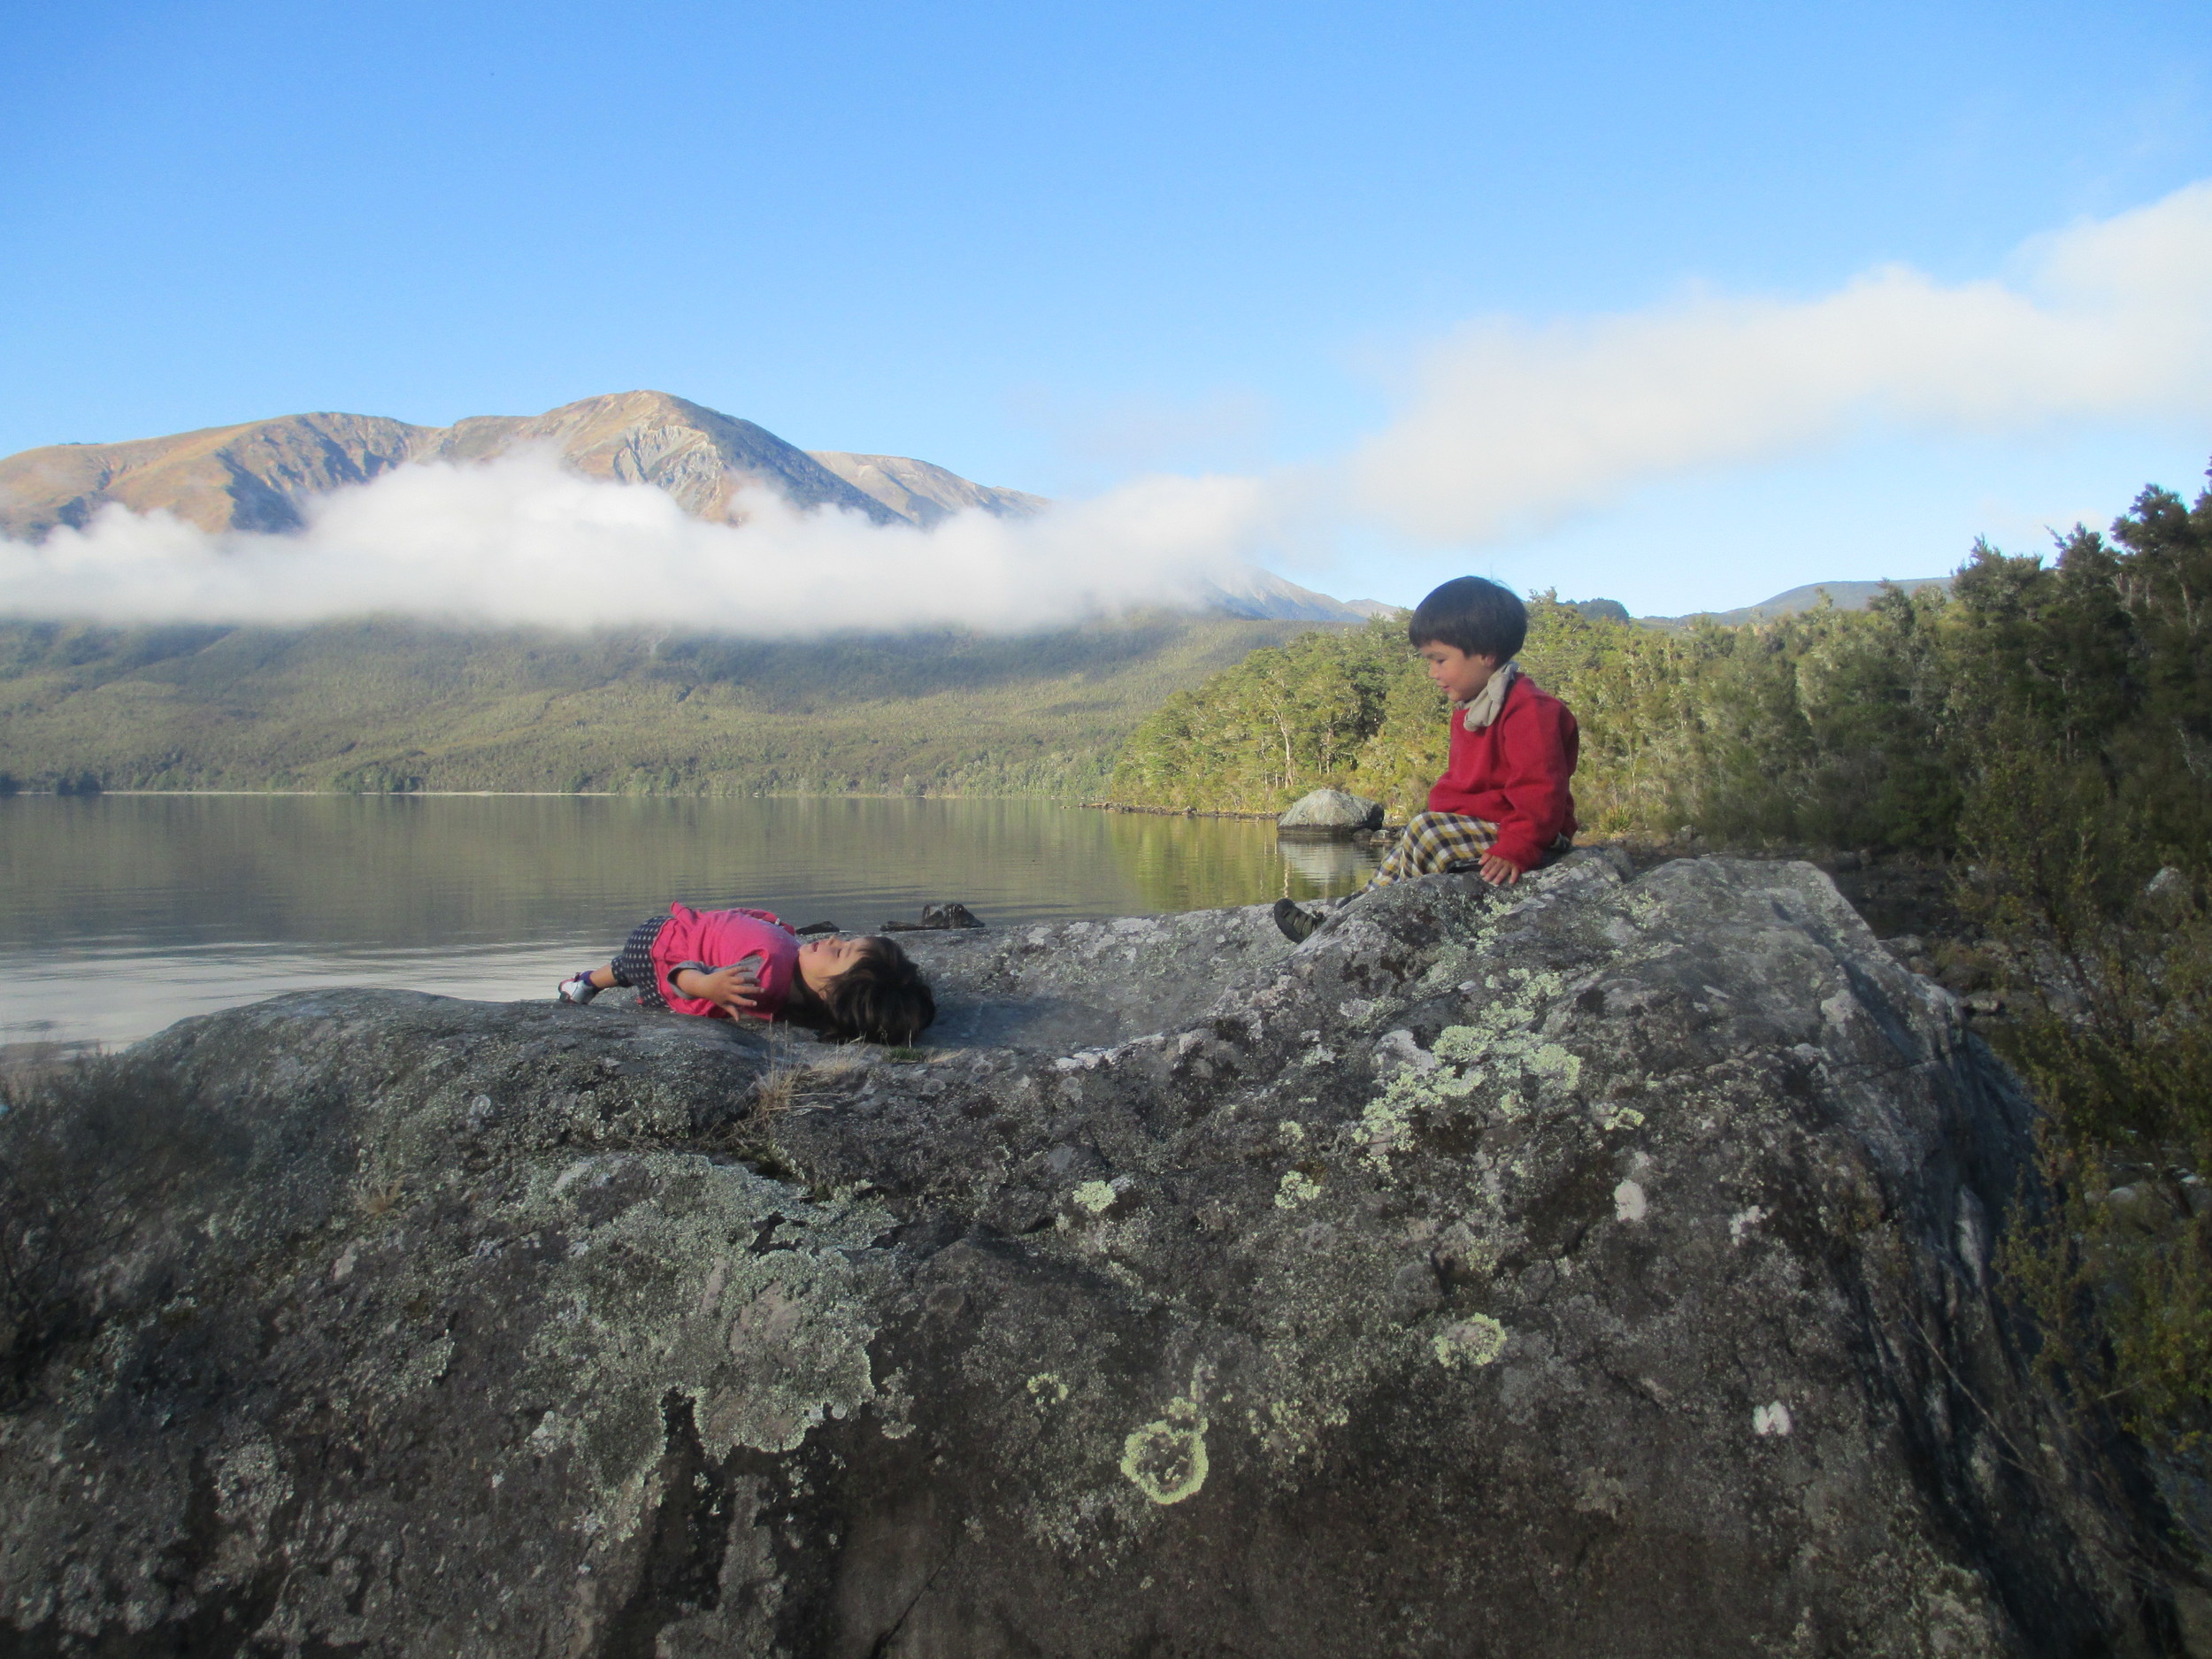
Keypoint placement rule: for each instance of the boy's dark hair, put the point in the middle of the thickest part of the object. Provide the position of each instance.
(881, 998)
(1471, 615)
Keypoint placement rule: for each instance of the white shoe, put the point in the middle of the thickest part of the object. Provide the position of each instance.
(579, 990)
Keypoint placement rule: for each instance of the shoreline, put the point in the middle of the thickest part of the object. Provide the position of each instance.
(557, 794)
(1172, 811)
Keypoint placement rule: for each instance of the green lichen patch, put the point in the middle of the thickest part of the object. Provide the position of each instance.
(1297, 1188)
(1501, 1047)
(1452, 961)
(1645, 909)
(1386, 1122)
(665, 1294)
(1167, 1459)
(1473, 1341)
(1095, 1196)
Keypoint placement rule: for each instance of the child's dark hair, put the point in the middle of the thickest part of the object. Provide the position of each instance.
(1471, 615)
(881, 998)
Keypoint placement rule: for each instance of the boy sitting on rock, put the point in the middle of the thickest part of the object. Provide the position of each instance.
(1503, 805)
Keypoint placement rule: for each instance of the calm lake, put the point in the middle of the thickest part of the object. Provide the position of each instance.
(120, 914)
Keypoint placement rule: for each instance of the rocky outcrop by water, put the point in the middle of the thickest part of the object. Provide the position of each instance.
(1330, 812)
(1604, 1268)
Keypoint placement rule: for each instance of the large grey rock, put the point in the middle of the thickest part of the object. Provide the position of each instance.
(1330, 812)
(1602, 1268)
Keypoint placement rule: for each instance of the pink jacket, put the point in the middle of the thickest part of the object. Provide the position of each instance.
(722, 939)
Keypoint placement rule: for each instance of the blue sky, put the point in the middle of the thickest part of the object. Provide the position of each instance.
(1057, 248)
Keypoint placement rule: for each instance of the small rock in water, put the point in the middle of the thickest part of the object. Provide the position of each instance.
(815, 927)
(935, 919)
(1330, 812)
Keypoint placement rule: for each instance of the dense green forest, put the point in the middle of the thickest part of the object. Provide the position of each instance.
(2046, 729)
(1831, 727)
(393, 706)
(1876, 726)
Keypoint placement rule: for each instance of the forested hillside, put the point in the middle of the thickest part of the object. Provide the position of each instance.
(1878, 726)
(393, 705)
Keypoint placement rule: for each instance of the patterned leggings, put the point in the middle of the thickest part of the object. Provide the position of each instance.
(634, 964)
(1433, 843)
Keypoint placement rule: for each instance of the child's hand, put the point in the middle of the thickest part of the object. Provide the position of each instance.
(1498, 872)
(733, 990)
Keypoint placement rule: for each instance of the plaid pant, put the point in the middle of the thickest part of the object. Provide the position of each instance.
(1433, 843)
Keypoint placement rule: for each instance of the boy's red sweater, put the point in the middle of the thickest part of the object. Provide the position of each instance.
(1514, 772)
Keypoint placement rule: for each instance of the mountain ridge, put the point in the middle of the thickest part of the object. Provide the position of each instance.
(259, 476)
(922, 491)
(1850, 595)
(243, 477)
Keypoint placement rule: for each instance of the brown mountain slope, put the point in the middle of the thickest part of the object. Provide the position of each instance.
(258, 475)
(250, 477)
(705, 460)
(925, 494)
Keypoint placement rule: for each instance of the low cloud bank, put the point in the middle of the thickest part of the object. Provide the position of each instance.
(1510, 428)
(520, 540)
(1514, 428)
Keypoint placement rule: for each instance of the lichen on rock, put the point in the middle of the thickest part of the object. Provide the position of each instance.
(1500, 1049)
(1167, 1459)
(1295, 1188)
(1095, 1196)
(1475, 1340)
(666, 1297)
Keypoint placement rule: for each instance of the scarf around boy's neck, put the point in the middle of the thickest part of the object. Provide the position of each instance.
(1491, 698)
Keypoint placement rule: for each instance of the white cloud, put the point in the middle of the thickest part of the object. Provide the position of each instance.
(520, 540)
(1515, 426)
(1513, 429)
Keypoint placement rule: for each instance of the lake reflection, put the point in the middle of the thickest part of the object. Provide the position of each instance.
(120, 914)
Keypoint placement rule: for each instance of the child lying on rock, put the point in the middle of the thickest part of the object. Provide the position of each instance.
(1502, 805)
(722, 963)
